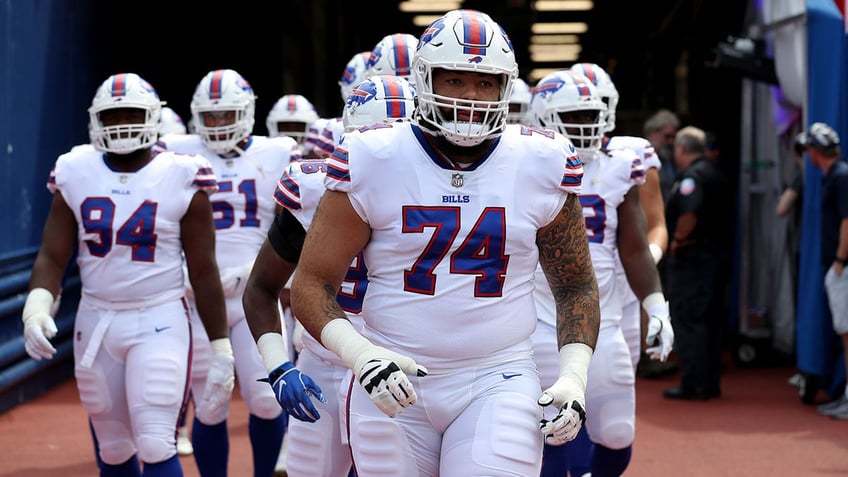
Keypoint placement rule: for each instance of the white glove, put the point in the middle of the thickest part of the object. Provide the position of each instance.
(39, 326)
(381, 372)
(221, 376)
(568, 395)
(660, 335)
(234, 279)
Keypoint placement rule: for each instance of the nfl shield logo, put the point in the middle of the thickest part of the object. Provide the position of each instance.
(456, 180)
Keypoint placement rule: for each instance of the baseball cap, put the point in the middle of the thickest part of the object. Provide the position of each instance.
(821, 136)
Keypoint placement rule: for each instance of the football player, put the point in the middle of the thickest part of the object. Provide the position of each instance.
(615, 226)
(452, 223)
(247, 166)
(133, 215)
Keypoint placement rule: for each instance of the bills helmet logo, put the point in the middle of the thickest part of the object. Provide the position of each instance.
(506, 38)
(363, 93)
(431, 32)
(243, 84)
(548, 87)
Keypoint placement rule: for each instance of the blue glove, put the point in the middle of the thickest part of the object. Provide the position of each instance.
(292, 390)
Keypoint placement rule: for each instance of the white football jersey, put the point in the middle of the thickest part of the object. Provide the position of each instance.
(607, 178)
(643, 148)
(453, 250)
(299, 190)
(243, 209)
(128, 224)
(330, 136)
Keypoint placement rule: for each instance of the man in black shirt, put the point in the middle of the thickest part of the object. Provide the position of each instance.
(822, 144)
(697, 217)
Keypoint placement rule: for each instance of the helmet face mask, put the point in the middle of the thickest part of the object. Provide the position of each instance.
(218, 93)
(379, 100)
(570, 104)
(291, 116)
(583, 128)
(463, 41)
(124, 115)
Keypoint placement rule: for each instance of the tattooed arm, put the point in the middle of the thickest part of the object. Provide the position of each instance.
(564, 256)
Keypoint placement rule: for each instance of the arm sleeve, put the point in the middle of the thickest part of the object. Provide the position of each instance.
(286, 236)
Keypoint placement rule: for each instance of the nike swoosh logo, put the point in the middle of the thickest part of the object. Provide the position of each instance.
(161, 329)
(510, 375)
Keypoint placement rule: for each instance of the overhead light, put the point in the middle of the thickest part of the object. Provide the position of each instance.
(546, 49)
(538, 73)
(558, 28)
(431, 6)
(554, 39)
(562, 5)
(424, 20)
(554, 53)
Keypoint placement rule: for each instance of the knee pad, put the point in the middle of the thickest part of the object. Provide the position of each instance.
(263, 405)
(153, 449)
(116, 452)
(208, 416)
(617, 435)
(260, 399)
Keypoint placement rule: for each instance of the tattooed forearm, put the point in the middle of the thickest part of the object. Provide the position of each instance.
(564, 256)
(331, 307)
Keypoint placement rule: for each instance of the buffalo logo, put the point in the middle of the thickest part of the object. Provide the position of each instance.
(149, 88)
(548, 87)
(476, 59)
(349, 75)
(508, 41)
(363, 93)
(243, 84)
(376, 54)
(431, 32)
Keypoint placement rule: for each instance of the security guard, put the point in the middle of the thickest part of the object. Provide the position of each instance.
(697, 215)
